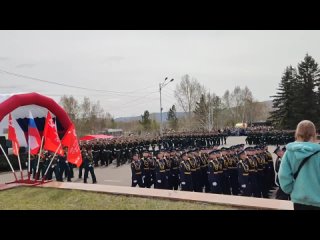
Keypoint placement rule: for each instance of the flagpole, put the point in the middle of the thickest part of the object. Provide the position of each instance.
(9, 163)
(29, 172)
(19, 162)
(45, 174)
(37, 174)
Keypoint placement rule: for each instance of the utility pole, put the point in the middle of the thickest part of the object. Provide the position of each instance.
(162, 85)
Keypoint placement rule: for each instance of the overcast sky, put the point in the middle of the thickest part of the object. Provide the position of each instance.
(127, 66)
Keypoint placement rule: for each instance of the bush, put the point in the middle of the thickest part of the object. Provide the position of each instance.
(4, 166)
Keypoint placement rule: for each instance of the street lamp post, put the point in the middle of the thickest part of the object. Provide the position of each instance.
(162, 85)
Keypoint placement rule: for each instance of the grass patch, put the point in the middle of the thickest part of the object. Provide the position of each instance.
(33, 198)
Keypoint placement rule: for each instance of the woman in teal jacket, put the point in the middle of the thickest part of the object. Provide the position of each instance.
(305, 189)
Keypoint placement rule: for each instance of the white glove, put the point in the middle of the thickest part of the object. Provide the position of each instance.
(135, 181)
(183, 183)
(214, 184)
(159, 181)
(243, 186)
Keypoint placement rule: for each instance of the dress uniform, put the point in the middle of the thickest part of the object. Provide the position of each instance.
(161, 175)
(253, 181)
(233, 171)
(136, 170)
(146, 175)
(175, 170)
(185, 173)
(88, 167)
(214, 175)
(226, 173)
(243, 174)
(280, 194)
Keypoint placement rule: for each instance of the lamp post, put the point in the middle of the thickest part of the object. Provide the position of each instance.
(162, 85)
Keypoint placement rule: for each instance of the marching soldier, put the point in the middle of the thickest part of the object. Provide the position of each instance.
(136, 170)
(280, 194)
(233, 171)
(243, 173)
(214, 175)
(161, 175)
(146, 175)
(185, 173)
(88, 166)
(175, 169)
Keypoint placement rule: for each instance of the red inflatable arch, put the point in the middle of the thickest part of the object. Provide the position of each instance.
(19, 100)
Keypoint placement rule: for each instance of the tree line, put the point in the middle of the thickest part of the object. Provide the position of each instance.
(206, 111)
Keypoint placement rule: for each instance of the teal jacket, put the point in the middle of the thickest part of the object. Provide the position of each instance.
(306, 188)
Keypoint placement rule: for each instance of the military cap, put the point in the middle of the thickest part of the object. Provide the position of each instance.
(184, 153)
(213, 152)
(135, 152)
(276, 150)
(248, 149)
(241, 152)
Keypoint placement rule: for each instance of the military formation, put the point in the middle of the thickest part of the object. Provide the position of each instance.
(121, 149)
(233, 171)
(60, 167)
(274, 137)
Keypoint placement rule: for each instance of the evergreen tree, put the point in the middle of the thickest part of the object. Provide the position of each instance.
(283, 116)
(297, 97)
(307, 107)
(145, 120)
(202, 113)
(172, 118)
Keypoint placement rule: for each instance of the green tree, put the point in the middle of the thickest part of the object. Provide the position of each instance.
(285, 101)
(172, 118)
(201, 113)
(297, 97)
(308, 77)
(146, 121)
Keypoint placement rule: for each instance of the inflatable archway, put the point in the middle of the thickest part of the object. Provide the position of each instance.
(19, 106)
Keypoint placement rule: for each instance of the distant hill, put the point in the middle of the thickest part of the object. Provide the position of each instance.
(155, 116)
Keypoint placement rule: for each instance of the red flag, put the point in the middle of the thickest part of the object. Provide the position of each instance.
(70, 140)
(51, 137)
(13, 137)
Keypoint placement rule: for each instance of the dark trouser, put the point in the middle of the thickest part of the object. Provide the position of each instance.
(245, 186)
(234, 181)
(90, 169)
(175, 181)
(186, 184)
(169, 180)
(254, 184)
(64, 167)
(281, 195)
(137, 180)
(226, 183)
(261, 185)
(298, 206)
(161, 181)
(104, 158)
(71, 170)
(215, 183)
(147, 180)
(80, 170)
(54, 169)
(118, 154)
(205, 180)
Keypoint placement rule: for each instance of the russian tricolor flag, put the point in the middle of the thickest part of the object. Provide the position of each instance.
(34, 139)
